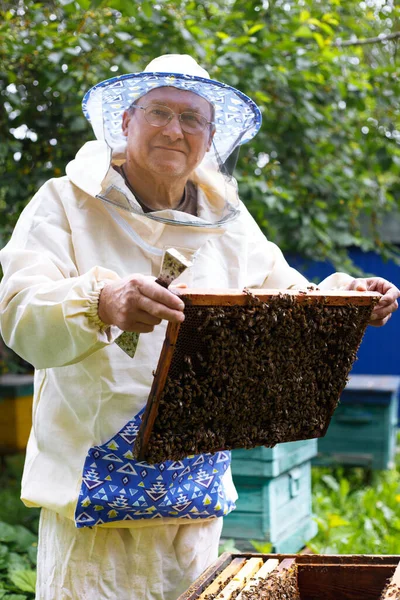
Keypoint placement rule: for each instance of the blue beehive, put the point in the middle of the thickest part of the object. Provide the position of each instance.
(274, 505)
(379, 351)
(363, 428)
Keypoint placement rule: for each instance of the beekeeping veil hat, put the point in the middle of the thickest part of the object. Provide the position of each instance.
(236, 117)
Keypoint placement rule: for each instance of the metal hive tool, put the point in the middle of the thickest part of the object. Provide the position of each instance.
(247, 369)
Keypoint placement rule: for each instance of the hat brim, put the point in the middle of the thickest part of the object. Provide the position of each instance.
(237, 118)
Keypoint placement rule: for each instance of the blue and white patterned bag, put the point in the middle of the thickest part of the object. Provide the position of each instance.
(116, 487)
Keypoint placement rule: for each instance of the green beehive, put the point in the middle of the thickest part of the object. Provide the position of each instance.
(363, 428)
(274, 505)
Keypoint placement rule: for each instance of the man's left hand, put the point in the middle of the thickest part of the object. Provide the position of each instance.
(386, 305)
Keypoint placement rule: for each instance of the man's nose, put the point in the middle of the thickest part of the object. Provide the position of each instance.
(173, 129)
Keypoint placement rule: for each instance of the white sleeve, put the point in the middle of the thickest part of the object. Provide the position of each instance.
(48, 311)
(282, 275)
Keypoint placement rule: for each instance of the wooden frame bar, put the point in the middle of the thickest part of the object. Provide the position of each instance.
(212, 297)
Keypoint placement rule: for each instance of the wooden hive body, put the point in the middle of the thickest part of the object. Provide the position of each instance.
(274, 504)
(276, 510)
(16, 393)
(319, 577)
(364, 427)
(251, 369)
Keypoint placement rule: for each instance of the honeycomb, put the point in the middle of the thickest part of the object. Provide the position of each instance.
(260, 374)
(256, 580)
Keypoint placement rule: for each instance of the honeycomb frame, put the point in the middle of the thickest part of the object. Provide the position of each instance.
(251, 368)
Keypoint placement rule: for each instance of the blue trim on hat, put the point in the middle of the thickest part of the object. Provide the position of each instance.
(237, 117)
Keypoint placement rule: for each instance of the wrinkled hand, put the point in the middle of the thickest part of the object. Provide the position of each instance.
(386, 305)
(137, 303)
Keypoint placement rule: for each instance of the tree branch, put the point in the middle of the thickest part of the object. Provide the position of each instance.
(382, 38)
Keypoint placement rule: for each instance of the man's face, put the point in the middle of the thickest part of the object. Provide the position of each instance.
(166, 151)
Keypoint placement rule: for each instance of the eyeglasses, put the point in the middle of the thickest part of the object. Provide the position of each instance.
(159, 116)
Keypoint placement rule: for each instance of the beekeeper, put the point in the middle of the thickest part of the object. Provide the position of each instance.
(79, 270)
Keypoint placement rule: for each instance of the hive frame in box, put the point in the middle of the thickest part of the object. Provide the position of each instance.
(212, 299)
(320, 577)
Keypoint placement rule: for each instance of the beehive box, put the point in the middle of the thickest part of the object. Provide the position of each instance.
(251, 369)
(271, 462)
(16, 393)
(274, 504)
(311, 577)
(363, 429)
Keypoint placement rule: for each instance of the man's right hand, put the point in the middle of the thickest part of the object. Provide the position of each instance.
(137, 303)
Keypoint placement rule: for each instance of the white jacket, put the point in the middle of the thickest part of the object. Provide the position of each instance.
(65, 244)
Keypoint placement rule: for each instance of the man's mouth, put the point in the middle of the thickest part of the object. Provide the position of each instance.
(169, 148)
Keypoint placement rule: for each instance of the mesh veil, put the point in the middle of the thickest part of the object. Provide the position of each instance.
(237, 119)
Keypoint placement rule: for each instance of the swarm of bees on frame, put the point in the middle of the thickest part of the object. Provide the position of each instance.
(252, 582)
(261, 374)
(391, 591)
(278, 586)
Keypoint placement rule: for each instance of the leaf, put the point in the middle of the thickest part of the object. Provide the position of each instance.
(18, 562)
(331, 482)
(7, 532)
(263, 547)
(336, 521)
(262, 97)
(314, 21)
(3, 556)
(147, 9)
(304, 16)
(128, 7)
(330, 18)
(320, 40)
(303, 31)
(227, 546)
(24, 538)
(24, 580)
(32, 553)
(256, 28)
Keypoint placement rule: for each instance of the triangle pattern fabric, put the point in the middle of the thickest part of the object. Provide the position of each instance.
(190, 488)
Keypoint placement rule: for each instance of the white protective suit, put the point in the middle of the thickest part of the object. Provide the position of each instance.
(66, 244)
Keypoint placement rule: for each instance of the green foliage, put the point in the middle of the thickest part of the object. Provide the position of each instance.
(328, 151)
(12, 511)
(17, 560)
(18, 536)
(227, 546)
(262, 547)
(357, 512)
